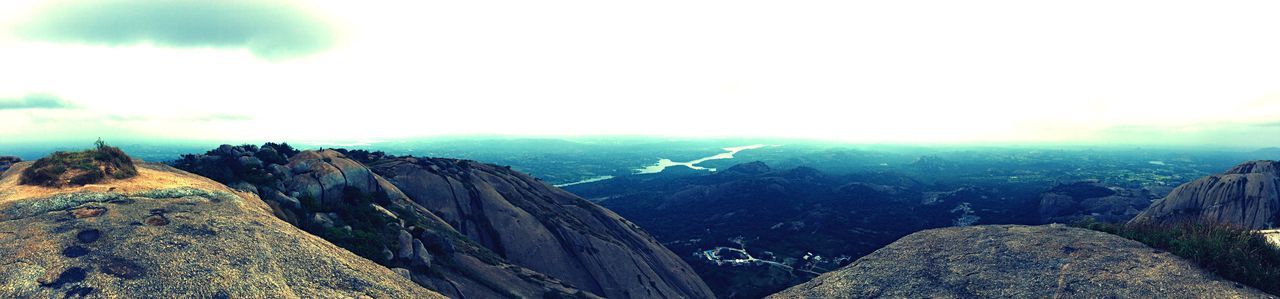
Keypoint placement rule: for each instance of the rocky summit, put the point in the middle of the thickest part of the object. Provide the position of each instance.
(546, 229)
(1247, 195)
(1015, 261)
(166, 232)
(462, 228)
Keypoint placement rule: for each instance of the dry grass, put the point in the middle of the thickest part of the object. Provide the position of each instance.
(1229, 251)
(62, 169)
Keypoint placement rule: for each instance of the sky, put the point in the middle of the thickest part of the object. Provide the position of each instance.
(1021, 72)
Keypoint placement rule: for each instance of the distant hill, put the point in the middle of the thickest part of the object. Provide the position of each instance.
(1013, 261)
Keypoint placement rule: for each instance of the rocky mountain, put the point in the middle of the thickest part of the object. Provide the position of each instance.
(1071, 202)
(1247, 195)
(166, 232)
(535, 225)
(462, 228)
(1014, 261)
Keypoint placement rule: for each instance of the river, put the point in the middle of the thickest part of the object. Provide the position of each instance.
(728, 154)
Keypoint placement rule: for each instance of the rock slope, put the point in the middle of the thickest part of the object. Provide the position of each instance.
(505, 234)
(546, 229)
(166, 232)
(1014, 261)
(1248, 195)
(422, 246)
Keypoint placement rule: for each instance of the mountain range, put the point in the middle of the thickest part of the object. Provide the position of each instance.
(274, 221)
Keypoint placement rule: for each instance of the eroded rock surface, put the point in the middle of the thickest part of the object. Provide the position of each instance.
(533, 224)
(1247, 195)
(164, 233)
(1014, 261)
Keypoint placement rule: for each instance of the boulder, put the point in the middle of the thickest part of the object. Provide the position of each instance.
(284, 200)
(420, 255)
(406, 245)
(324, 220)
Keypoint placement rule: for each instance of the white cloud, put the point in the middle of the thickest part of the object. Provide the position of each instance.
(901, 71)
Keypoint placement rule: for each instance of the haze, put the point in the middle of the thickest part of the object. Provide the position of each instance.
(900, 72)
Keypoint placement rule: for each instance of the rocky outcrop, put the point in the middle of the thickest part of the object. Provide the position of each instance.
(334, 190)
(1013, 261)
(1072, 202)
(166, 232)
(7, 161)
(1248, 195)
(535, 225)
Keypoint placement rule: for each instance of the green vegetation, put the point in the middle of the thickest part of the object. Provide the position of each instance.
(1234, 253)
(369, 232)
(79, 168)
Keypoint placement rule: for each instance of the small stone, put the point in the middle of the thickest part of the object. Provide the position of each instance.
(156, 220)
(403, 272)
(387, 255)
(322, 219)
(88, 212)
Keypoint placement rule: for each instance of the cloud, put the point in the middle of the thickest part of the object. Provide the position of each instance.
(270, 29)
(1211, 133)
(35, 101)
(211, 117)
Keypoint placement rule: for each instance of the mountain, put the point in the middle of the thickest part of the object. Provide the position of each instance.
(462, 228)
(1247, 195)
(1014, 261)
(541, 227)
(165, 232)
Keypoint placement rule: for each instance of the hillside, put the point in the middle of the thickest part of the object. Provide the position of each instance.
(1014, 261)
(168, 232)
(1247, 195)
(462, 228)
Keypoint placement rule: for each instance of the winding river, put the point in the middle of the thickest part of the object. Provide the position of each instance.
(728, 154)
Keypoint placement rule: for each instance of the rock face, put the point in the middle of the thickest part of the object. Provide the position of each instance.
(1013, 261)
(333, 187)
(166, 232)
(546, 229)
(504, 235)
(1247, 195)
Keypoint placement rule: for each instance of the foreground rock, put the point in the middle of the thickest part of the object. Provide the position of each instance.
(164, 233)
(1013, 261)
(1248, 195)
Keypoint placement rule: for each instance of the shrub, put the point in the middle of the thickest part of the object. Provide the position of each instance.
(1229, 251)
(80, 168)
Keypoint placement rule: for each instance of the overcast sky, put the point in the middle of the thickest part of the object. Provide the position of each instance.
(874, 71)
